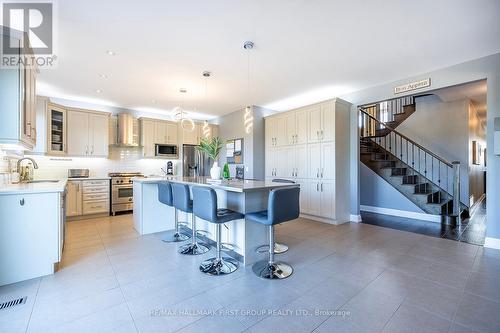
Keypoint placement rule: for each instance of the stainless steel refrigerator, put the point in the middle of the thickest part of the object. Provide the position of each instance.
(194, 162)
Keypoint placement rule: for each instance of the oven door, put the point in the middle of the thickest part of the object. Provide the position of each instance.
(121, 194)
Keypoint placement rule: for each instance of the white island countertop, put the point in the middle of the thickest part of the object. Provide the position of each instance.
(28, 188)
(234, 185)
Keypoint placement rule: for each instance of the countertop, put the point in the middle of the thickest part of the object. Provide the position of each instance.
(231, 185)
(29, 188)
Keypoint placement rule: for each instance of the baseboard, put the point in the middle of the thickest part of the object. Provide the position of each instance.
(355, 218)
(402, 213)
(492, 243)
(473, 209)
(322, 219)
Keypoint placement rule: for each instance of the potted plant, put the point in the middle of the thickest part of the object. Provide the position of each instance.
(212, 148)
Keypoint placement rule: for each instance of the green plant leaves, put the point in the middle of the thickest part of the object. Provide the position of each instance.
(211, 147)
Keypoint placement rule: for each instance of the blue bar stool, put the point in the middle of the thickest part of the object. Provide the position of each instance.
(282, 206)
(205, 207)
(165, 197)
(183, 202)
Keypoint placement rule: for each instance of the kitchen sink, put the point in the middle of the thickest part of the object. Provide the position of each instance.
(43, 181)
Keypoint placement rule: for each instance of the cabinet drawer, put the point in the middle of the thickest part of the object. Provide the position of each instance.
(95, 196)
(96, 189)
(102, 182)
(95, 207)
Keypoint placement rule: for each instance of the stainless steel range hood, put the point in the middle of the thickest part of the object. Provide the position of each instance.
(127, 134)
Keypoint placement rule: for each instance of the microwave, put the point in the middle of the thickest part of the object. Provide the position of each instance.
(170, 151)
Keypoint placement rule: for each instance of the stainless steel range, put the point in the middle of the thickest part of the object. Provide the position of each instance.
(122, 193)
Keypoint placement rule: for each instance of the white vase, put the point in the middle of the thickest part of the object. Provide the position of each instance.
(215, 171)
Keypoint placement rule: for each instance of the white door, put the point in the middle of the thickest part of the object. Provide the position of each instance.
(172, 133)
(280, 134)
(160, 132)
(301, 161)
(270, 161)
(289, 162)
(74, 198)
(328, 160)
(148, 138)
(328, 122)
(301, 123)
(270, 131)
(314, 159)
(98, 134)
(314, 196)
(78, 133)
(281, 163)
(314, 124)
(327, 190)
(304, 196)
(290, 128)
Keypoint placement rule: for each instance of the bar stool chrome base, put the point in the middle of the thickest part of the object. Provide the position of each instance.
(277, 270)
(194, 249)
(278, 248)
(215, 266)
(173, 236)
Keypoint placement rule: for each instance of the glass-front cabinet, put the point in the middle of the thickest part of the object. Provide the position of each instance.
(56, 131)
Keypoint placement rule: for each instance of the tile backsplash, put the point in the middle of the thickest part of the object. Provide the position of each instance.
(119, 160)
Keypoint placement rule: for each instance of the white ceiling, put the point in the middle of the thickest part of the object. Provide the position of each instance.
(305, 51)
(476, 92)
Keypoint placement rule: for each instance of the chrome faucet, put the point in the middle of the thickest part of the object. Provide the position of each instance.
(35, 166)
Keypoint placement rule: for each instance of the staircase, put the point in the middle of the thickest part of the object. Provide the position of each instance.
(427, 180)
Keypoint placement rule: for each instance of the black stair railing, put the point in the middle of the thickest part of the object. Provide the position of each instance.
(387, 110)
(422, 162)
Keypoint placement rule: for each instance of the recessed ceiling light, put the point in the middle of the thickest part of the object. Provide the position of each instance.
(111, 53)
(154, 101)
(103, 76)
(98, 91)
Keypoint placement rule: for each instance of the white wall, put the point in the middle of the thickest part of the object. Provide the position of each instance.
(477, 132)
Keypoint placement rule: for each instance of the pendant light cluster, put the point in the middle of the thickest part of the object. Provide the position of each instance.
(248, 116)
(179, 115)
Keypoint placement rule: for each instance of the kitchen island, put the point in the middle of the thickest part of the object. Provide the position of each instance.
(31, 229)
(243, 196)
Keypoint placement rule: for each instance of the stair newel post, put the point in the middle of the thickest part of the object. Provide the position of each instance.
(456, 191)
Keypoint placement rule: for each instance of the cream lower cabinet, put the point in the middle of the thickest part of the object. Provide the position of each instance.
(74, 192)
(87, 197)
(315, 154)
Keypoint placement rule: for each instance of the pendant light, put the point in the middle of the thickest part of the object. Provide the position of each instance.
(179, 115)
(248, 116)
(206, 126)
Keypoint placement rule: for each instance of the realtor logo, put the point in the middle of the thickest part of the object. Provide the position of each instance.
(34, 19)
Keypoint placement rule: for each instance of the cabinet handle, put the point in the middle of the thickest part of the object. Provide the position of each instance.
(321, 172)
(322, 136)
(317, 173)
(317, 187)
(317, 135)
(21, 202)
(321, 187)
(92, 151)
(86, 149)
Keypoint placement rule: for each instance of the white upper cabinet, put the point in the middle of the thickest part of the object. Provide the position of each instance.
(172, 133)
(78, 133)
(160, 132)
(17, 100)
(148, 137)
(191, 137)
(290, 128)
(87, 133)
(276, 133)
(301, 124)
(98, 134)
(322, 122)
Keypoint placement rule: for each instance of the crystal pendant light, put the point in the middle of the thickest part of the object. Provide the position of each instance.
(206, 127)
(179, 115)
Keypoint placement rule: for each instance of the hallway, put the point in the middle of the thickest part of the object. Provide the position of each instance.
(472, 231)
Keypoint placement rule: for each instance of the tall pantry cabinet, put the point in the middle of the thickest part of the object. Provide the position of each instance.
(310, 145)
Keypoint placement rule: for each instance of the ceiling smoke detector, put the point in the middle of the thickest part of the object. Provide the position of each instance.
(248, 45)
